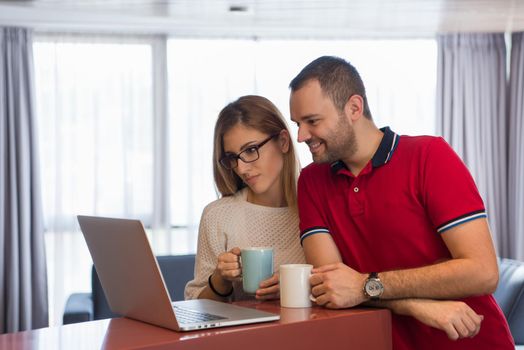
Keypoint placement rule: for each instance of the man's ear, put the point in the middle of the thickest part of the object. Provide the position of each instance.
(283, 141)
(354, 107)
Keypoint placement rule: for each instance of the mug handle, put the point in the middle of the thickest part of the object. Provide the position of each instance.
(311, 297)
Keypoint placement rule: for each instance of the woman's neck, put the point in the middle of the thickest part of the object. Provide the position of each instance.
(275, 200)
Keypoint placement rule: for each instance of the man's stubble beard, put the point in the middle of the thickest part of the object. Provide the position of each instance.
(342, 143)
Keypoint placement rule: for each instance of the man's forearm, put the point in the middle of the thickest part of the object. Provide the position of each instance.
(397, 306)
(451, 279)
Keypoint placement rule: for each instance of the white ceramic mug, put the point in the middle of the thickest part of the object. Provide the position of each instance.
(295, 288)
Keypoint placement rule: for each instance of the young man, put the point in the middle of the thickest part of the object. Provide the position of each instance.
(392, 221)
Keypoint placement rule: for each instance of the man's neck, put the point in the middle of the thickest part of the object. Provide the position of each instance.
(368, 138)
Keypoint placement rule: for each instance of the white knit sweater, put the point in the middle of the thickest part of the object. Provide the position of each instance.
(234, 222)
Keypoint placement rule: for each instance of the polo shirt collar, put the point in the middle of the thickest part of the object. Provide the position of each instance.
(384, 153)
(387, 147)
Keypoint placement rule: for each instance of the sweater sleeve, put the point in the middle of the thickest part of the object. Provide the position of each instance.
(211, 243)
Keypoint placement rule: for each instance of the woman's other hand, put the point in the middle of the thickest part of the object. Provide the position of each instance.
(269, 289)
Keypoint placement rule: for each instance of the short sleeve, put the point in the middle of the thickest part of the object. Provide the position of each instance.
(449, 191)
(312, 219)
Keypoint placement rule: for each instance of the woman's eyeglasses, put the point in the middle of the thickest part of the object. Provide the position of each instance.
(248, 155)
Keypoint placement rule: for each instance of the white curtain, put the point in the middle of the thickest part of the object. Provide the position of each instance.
(95, 109)
(515, 234)
(471, 116)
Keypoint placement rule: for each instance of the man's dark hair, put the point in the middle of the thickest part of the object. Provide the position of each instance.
(338, 79)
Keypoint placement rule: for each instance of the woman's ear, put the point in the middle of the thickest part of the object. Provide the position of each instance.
(283, 141)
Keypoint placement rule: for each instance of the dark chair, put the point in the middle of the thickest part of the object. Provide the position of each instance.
(510, 297)
(80, 307)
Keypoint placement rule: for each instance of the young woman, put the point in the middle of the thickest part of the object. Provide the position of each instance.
(255, 169)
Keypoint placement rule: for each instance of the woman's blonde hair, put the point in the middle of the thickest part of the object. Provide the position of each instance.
(259, 113)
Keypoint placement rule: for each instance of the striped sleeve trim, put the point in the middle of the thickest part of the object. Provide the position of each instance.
(311, 231)
(462, 219)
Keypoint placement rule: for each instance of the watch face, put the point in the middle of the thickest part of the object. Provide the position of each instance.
(374, 288)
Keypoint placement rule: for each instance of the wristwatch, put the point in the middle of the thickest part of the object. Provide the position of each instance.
(373, 287)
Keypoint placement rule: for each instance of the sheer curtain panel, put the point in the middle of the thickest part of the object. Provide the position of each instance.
(515, 234)
(471, 116)
(23, 282)
(95, 113)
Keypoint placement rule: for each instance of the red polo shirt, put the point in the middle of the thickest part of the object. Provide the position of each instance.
(390, 217)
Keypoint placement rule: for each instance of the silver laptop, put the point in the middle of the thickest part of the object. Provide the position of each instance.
(134, 285)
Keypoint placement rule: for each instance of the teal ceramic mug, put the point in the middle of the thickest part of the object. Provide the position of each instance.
(257, 265)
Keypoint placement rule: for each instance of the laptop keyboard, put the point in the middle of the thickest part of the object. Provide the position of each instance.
(191, 316)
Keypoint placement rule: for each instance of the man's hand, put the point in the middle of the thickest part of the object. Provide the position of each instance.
(269, 289)
(455, 318)
(337, 286)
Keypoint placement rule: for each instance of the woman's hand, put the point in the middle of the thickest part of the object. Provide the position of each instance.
(228, 266)
(221, 281)
(269, 289)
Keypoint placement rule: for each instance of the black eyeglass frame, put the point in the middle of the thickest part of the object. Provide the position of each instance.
(227, 160)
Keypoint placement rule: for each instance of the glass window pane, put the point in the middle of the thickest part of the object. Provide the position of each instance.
(94, 103)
